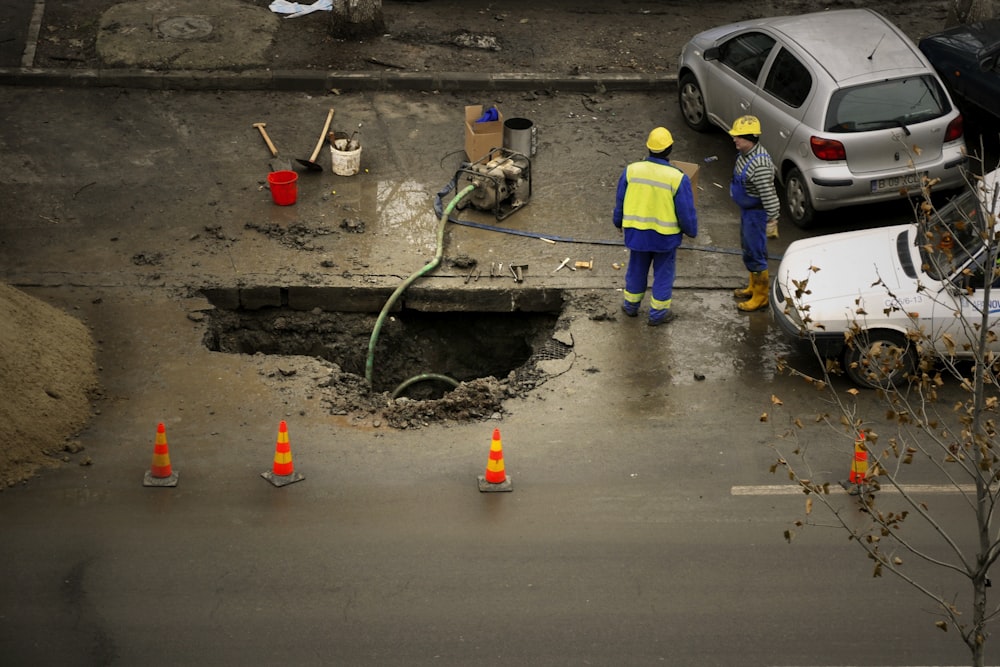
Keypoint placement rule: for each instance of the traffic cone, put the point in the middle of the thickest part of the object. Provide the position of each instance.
(160, 473)
(283, 472)
(859, 467)
(495, 478)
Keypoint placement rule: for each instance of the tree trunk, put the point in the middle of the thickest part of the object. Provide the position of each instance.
(968, 11)
(356, 19)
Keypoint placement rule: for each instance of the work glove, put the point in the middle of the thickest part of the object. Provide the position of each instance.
(772, 229)
(489, 115)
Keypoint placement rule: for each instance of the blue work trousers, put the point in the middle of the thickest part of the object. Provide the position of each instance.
(753, 238)
(637, 275)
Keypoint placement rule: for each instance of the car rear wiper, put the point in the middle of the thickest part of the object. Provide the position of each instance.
(899, 121)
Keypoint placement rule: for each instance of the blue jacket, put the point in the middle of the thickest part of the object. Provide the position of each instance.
(651, 240)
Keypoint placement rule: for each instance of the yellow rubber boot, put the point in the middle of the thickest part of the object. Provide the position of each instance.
(744, 292)
(759, 299)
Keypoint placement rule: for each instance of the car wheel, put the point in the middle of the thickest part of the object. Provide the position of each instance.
(692, 103)
(879, 359)
(797, 200)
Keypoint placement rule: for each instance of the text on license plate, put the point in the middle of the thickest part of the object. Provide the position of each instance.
(896, 182)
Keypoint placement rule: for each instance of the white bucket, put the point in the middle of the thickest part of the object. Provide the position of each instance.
(346, 163)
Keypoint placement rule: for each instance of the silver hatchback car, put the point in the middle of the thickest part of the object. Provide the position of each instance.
(850, 109)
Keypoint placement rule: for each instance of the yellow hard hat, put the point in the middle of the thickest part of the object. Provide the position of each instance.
(659, 140)
(745, 125)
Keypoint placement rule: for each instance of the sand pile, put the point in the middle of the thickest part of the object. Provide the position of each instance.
(48, 373)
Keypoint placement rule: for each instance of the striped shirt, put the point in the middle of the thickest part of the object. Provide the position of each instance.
(760, 179)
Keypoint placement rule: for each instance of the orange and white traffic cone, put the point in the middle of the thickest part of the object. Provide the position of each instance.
(496, 478)
(283, 472)
(160, 472)
(859, 467)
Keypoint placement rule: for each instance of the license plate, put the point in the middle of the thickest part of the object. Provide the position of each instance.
(907, 181)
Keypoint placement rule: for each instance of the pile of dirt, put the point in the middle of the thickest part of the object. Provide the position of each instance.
(48, 374)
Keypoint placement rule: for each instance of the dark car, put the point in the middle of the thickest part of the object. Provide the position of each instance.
(965, 57)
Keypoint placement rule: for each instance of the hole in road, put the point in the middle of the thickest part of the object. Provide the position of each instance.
(462, 346)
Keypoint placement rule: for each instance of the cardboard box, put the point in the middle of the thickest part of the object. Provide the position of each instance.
(691, 169)
(481, 137)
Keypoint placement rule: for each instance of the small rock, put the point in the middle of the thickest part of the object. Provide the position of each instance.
(73, 447)
(564, 337)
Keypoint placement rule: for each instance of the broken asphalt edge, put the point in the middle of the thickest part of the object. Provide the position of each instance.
(309, 80)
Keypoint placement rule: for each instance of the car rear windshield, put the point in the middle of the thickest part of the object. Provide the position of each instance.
(885, 104)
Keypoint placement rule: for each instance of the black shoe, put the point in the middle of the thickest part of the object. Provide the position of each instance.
(670, 316)
(631, 312)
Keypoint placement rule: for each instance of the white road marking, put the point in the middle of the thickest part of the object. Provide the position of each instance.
(28, 58)
(792, 490)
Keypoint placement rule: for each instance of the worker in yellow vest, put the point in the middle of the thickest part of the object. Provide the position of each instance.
(654, 208)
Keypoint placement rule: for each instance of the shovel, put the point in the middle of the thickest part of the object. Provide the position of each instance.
(311, 163)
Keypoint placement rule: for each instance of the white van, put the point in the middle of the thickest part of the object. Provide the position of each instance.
(876, 298)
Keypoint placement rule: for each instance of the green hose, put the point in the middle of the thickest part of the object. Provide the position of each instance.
(430, 266)
(424, 377)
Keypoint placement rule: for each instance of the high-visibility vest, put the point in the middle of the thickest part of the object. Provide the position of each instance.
(649, 198)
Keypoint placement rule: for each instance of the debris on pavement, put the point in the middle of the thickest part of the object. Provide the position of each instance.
(295, 9)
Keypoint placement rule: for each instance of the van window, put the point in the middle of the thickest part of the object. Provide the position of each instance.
(746, 53)
(885, 104)
(952, 235)
(788, 80)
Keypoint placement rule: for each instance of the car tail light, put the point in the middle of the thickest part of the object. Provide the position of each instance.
(827, 149)
(955, 130)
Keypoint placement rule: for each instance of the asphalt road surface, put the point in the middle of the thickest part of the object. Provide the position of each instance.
(642, 527)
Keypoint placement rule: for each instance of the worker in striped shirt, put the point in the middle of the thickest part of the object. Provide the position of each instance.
(752, 188)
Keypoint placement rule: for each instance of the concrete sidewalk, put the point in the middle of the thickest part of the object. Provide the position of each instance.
(188, 45)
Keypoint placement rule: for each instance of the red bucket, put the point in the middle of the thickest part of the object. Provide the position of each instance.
(284, 189)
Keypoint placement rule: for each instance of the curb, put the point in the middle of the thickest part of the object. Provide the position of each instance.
(309, 80)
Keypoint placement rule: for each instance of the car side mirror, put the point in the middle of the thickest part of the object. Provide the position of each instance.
(711, 53)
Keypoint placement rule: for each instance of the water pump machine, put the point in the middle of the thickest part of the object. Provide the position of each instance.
(502, 181)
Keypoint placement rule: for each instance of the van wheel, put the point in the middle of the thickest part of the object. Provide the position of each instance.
(692, 103)
(797, 200)
(879, 359)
